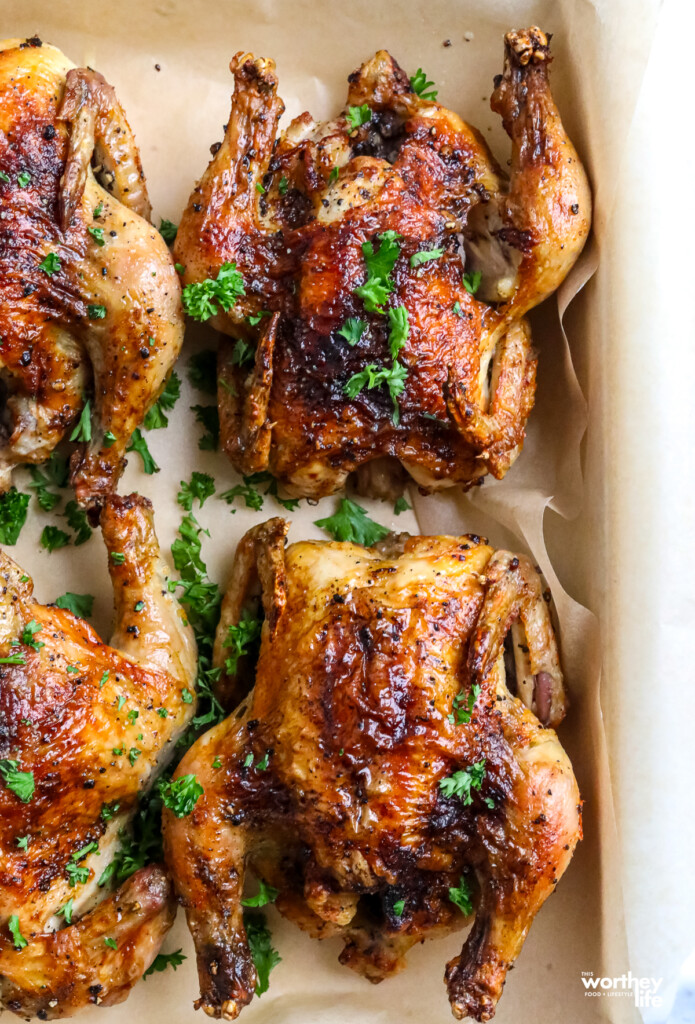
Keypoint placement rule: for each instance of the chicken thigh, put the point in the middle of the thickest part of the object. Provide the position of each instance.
(372, 273)
(84, 730)
(89, 297)
(393, 772)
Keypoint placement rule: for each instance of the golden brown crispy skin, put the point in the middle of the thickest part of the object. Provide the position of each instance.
(107, 325)
(293, 212)
(88, 720)
(327, 778)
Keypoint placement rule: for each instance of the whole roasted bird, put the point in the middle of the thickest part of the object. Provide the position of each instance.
(84, 730)
(90, 315)
(394, 767)
(372, 274)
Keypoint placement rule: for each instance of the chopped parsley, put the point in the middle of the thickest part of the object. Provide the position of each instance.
(461, 783)
(29, 632)
(373, 376)
(98, 210)
(209, 418)
(399, 329)
(180, 795)
(186, 695)
(167, 230)
(138, 444)
(103, 681)
(244, 353)
(202, 371)
(66, 910)
(253, 497)
(78, 523)
(53, 473)
(117, 557)
(351, 523)
(13, 515)
(333, 176)
(266, 894)
(424, 256)
(19, 783)
(399, 907)
(83, 430)
(111, 943)
(133, 755)
(53, 539)
(155, 418)
(164, 960)
(108, 811)
(460, 896)
(401, 506)
(80, 605)
(260, 189)
(255, 318)
(463, 706)
(23, 179)
(457, 309)
(352, 330)
(357, 116)
(265, 957)
(471, 282)
(380, 264)
(50, 264)
(201, 487)
(78, 874)
(98, 235)
(4, 176)
(109, 439)
(13, 659)
(23, 842)
(132, 716)
(202, 298)
(420, 85)
(95, 312)
(264, 762)
(17, 938)
(283, 185)
(121, 702)
(240, 639)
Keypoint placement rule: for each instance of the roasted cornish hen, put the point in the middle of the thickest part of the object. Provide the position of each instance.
(371, 275)
(85, 729)
(90, 312)
(388, 774)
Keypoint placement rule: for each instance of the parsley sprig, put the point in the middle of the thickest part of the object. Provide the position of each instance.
(463, 782)
(265, 956)
(351, 523)
(419, 84)
(18, 782)
(202, 298)
(162, 961)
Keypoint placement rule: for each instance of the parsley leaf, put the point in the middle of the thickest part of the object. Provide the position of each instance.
(111, 943)
(471, 282)
(164, 960)
(23, 179)
(463, 706)
(154, 417)
(201, 486)
(401, 506)
(201, 298)
(283, 185)
(456, 308)
(180, 795)
(53, 539)
(462, 782)
(357, 116)
(265, 957)
(80, 605)
(50, 264)
(202, 371)
(351, 523)
(398, 334)
(29, 632)
(240, 639)
(372, 377)
(399, 907)
(17, 938)
(424, 256)
(420, 85)
(83, 430)
(13, 514)
(244, 353)
(352, 330)
(23, 842)
(66, 910)
(95, 312)
(139, 444)
(379, 265)
(167, 230)
(78, 523)
(19, 783)
(460, 896)
(53, 473)
(98, 235)
(209, 418)
(266, 894)
(13, 659)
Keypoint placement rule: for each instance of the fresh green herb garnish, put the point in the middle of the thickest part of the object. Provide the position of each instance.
(132, 716)
(283, 185)
(98, 235)
(420, 85)
(208, 417)
(164, 960)
(13, 659)
(19, 783)
(201, 298)
(461, 783)
(167, 230)
(186, 695)
(53, 473)
(50, 264)
(357, 116)
(78, 523)
(399, 329)
(4, 176)
(457, 309)
(264, 762)
(352, 330)
(265, 957)
(109, 811)
(155, 418)
(23, 179)
(83, 431)
(98, 210)
(260, 189)
(121, 702)
(424, 256)
(117, 557)
(111, 943)
(351, 523)
(110, 438)
(201, 487)
(401, 506)
(17, 938)
(13, 515)
(240, 639)
(133, 755)
(380, 264)
(255, 318)
(399, 907)
(53, 539)
(460, 896)
(66, 910)
(80, 605)
(373, 376)
(244, 353)
(139, 444)
(463, 706)
(95, 312)
(266, 894)
(29, 632)
(471, 282)
(202, 371)
(23, 843)
(333, 176)
(180, 795)
(104, 679)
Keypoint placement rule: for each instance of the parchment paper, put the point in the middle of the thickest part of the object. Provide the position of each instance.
(601, 49)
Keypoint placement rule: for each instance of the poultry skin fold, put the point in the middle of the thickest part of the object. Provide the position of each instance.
(387, 771)
(85, 729)
(381, 264)
(89, 297)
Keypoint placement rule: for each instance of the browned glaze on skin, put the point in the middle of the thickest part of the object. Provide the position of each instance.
(293, 211)
(62, 126)
(72, 714)
(362, 655)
